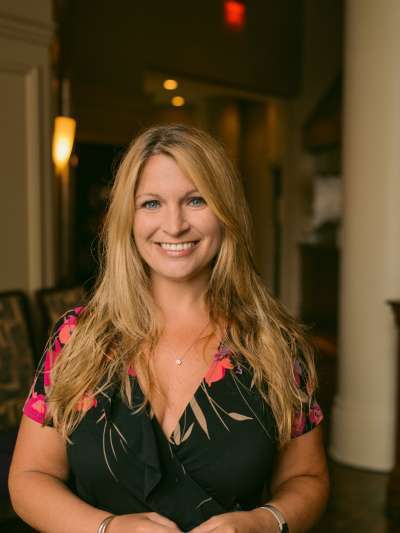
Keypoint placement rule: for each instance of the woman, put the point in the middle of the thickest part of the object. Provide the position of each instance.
(182, 390)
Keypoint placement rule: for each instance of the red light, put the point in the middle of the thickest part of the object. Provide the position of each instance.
(235, 12)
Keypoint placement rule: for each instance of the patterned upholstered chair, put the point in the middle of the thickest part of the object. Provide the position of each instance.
(16, 374)
(55, 302)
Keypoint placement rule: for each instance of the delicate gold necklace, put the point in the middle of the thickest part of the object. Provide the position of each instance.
(180, 360)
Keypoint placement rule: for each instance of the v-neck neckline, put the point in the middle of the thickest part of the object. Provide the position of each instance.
(150, 411)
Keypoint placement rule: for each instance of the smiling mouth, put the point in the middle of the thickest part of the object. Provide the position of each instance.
(177, 246)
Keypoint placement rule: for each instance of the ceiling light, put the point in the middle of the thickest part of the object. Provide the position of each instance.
(178, 101)
(170, 85)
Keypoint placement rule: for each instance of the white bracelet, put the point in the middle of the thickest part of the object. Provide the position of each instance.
(104, 523)
(282, 525)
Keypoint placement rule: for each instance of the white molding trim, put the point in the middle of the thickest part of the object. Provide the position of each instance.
(24, 29)
(40, 271)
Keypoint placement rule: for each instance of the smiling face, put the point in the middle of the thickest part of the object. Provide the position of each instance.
(175, 231)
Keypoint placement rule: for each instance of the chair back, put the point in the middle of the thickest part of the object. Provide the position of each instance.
(56, 301)
(16, 376)
(16, 357)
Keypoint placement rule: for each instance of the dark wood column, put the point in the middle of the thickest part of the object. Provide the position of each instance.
(393, 490)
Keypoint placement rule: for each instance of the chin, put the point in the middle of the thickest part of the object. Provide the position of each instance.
(183, 275)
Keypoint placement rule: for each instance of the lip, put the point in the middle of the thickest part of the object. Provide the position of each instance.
(179, 242)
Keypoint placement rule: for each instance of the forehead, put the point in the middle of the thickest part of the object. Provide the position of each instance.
(162, 174)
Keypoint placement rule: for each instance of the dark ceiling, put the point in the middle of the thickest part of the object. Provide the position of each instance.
(113, 43)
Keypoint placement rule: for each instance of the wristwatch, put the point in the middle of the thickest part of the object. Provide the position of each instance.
(278, 515)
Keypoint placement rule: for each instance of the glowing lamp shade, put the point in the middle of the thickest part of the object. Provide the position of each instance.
(63, 140)
(235, 13)
(170, 85)
(178, 101)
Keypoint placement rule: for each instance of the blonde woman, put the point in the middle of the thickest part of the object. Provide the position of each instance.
(181, 398)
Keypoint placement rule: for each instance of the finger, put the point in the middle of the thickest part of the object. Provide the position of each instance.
(205, 527)
(162, 520)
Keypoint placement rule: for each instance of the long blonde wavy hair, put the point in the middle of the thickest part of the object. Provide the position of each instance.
(119, 317)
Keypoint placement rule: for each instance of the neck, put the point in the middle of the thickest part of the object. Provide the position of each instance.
(181, 300)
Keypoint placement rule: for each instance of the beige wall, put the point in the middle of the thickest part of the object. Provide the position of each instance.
(26, 240)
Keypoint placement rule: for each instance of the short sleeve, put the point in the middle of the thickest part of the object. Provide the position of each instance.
(310, 415)
(35, 406)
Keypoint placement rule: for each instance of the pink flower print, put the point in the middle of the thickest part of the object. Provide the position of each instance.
(218, 368)
(35, 407)
(50, 359)
(67, 328)
(132, 371)
(298, 372)
(315, 414)
(56, 348)
(86, 403)
(238, 369)
(222, 352)
(79, 309)
(48, 363)
(298, 423)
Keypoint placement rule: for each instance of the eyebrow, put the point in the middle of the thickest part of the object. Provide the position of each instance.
(155, 195)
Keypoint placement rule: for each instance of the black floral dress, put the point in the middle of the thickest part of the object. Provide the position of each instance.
(218, 459)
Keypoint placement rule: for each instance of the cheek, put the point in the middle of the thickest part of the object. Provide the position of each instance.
(214, 228)
(142, 227)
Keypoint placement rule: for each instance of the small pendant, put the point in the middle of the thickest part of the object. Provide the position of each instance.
(179, 362)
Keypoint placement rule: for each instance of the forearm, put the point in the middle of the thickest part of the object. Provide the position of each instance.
(49, 506)
(301, 500)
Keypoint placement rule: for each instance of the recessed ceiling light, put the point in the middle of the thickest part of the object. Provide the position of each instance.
(178, 101)
(170, 85)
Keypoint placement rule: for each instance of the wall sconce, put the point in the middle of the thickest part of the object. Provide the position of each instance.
(63, 140)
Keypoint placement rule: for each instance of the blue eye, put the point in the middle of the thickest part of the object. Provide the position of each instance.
(197, 201)
(151, 204)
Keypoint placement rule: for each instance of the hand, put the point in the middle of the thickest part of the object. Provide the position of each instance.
(256, 521)
(143, 523)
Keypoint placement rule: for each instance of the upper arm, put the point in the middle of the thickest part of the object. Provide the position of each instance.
(40, 449)
(302, 456)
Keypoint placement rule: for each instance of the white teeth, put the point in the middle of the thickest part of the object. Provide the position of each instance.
(177, 247)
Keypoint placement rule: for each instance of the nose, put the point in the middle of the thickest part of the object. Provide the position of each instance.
(175, 222)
